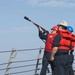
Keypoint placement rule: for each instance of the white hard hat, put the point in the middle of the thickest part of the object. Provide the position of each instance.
(63, 23)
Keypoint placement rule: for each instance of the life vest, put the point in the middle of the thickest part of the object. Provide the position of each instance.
(66, 39)
(49, 42)
(73, 41)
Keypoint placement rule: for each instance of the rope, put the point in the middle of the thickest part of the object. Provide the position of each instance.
(20, 61)
(21, 50)
(20, 66)
(22, 71)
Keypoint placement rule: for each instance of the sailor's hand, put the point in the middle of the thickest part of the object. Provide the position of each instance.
(52, 58)
(40, 28)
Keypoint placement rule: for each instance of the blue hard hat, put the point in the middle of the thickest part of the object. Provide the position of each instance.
(69, 28)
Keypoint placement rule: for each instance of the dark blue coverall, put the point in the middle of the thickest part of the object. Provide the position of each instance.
(62, 60)
(46, 57)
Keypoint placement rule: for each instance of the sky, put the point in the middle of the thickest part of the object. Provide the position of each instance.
(17, 33)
